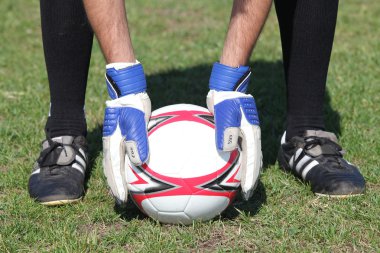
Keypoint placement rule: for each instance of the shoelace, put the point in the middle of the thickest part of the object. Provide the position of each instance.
(49, 153)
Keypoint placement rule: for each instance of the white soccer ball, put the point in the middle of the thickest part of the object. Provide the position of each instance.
(186, 178)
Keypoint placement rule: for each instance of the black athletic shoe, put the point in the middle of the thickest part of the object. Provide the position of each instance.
(317, 158)
(58, 174)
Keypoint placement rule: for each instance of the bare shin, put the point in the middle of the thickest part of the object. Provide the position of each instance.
(109, 21)
(247, 20)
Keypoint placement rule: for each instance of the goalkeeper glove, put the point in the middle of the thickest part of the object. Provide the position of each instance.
(125, 125)
(236, 116)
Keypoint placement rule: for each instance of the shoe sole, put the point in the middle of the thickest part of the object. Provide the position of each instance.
(338, 196)
(61, 202)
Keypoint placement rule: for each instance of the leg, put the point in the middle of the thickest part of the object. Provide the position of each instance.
(109, 21)
(67, 39)
(127, 114)
(247, 20)
(58, 175)
(307, 33)
(234, 111)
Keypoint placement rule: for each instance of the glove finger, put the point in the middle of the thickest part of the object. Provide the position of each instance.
(251, 157)
(133, 128)
(227, 122)
(113, 164)
(113, 155)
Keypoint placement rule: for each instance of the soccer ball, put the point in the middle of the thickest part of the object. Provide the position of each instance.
(186, 178)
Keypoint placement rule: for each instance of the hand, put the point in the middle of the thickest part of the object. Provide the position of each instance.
(125, 125)
(236, 121)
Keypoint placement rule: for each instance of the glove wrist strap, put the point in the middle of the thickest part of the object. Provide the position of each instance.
(122, 82)
(225, 78)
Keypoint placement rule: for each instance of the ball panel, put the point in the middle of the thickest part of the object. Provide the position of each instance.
(170, 203)
(149, 209)
(206, 207)
(174, 218)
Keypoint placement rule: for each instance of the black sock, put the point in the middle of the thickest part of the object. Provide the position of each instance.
(67, 39)
(307, 34)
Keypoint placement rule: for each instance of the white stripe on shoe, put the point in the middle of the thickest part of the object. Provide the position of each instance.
(78, 167)
(308, 168)
(302, 162)
(36, 171)
(80, 161)
(82, 152)
(305, 164)
(295, 157)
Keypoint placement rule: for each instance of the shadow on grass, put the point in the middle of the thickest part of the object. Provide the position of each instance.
(130, 211)
(250, 207)
(267, 86)
(191, 86)
(94, 139)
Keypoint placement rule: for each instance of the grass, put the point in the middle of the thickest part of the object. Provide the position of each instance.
(177, 42)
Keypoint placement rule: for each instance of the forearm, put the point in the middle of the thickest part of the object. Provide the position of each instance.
(109, 22)
(247, 20)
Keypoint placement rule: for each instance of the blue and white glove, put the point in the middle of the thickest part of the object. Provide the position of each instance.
(125, 125)
(236, 116)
